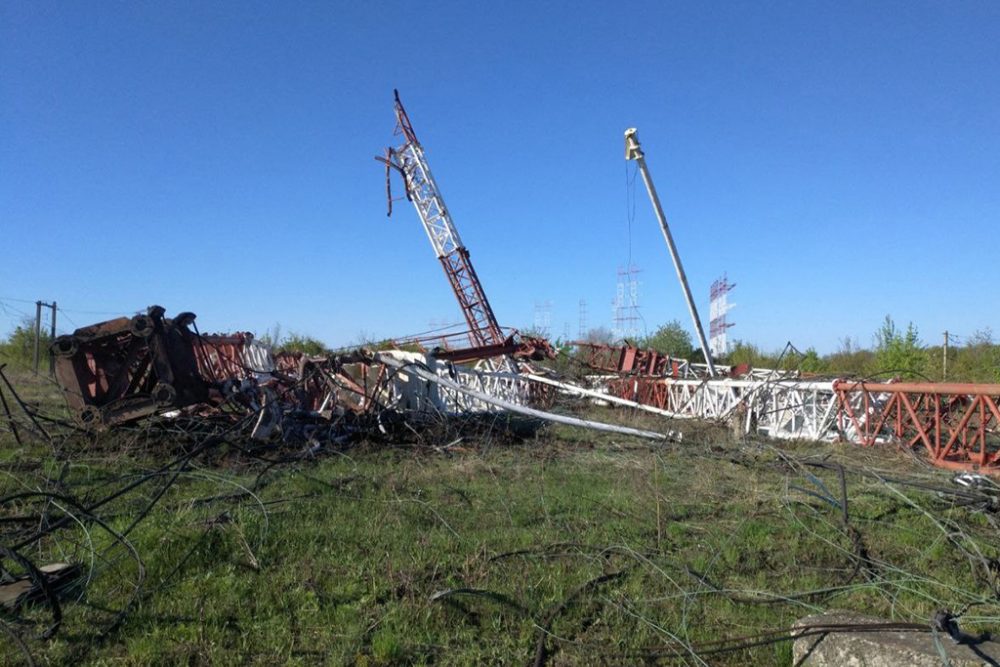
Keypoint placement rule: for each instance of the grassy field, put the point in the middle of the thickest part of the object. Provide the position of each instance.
(564, 548)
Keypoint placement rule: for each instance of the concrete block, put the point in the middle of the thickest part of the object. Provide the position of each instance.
(884, 648)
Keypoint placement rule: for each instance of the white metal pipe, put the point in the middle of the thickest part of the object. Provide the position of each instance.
(573, 389)
(430, 376)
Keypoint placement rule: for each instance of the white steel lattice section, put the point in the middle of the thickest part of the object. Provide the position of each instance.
(426, 198)
(779, 408)
(408, 392)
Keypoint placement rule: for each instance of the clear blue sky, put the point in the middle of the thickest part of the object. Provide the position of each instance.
(840, 160)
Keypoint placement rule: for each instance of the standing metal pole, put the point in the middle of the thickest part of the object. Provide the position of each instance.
(944, 359)
(38, 332)
(634, 152)
(52, 338)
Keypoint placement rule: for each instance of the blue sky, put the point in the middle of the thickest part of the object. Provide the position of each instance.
(840, 161)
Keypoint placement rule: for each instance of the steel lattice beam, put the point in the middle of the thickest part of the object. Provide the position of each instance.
(956, 425)
(422, 190)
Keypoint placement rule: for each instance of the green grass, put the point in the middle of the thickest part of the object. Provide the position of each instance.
(345, 560)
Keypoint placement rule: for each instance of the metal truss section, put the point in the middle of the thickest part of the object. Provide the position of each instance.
(423, 191)
(503, 385)
(406, 391)
(483, 327)
(793, 410)
(957, 425)
(782, 409)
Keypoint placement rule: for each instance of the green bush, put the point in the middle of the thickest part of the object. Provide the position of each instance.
(899, 353)
(672, 339)
(19, 347)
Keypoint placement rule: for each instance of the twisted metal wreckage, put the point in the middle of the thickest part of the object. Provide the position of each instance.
(129, 368)
(125, 369)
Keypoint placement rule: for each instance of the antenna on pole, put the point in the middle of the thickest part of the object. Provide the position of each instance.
(634, 152)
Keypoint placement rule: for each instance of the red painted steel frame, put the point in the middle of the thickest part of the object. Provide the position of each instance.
(483, 327)
(627, 359)
(957, 424)
(651, 391)
(220, 356)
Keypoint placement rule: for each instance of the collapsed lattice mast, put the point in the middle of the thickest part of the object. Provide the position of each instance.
(421, 189)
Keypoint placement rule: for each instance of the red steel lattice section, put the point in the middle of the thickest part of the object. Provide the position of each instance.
(958, 425)
(483, 326)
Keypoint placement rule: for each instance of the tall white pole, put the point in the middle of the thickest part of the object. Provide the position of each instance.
(634, 152)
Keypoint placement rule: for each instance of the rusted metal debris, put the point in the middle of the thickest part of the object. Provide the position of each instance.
(956, 426)
(453, 347)
(629, 359)
(126, 369)
(130, 368)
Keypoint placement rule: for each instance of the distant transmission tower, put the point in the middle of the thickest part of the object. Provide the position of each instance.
(581, 332)
(543, 317)
(626, 304)
(718, 307)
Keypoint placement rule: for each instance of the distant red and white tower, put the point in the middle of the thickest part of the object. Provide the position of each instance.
(718, 307)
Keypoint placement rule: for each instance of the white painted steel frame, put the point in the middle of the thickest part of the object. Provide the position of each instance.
(778, 408)
(427, 200)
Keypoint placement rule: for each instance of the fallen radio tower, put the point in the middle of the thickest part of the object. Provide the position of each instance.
(128, 369)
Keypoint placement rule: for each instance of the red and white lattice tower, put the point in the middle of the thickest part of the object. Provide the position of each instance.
(422, 190)
(718, 307)
(625, 307)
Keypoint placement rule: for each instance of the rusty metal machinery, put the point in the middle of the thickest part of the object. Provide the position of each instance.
(127, 368)
(131, 367)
